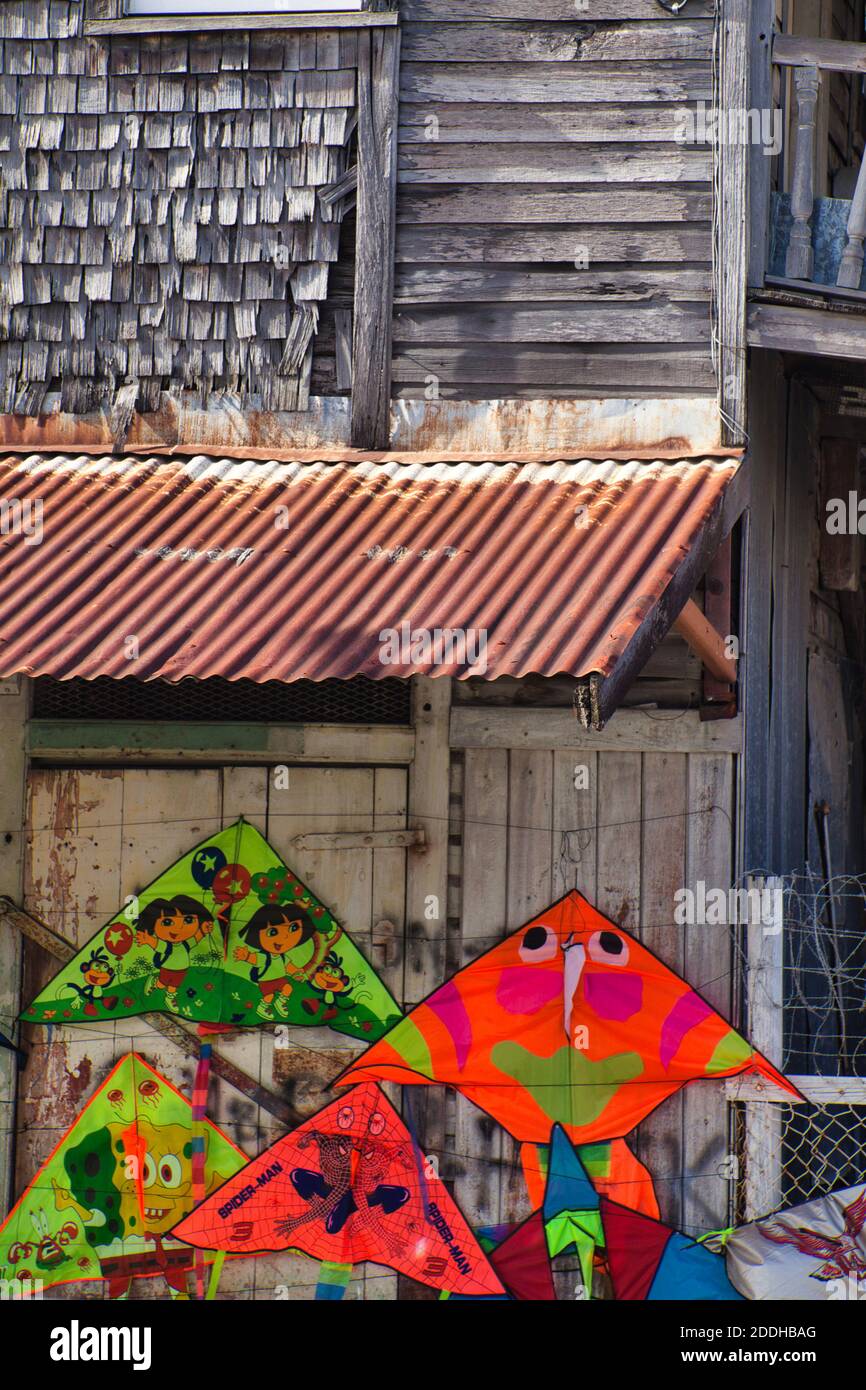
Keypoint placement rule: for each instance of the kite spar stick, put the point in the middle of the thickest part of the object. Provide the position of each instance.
(216, 1271)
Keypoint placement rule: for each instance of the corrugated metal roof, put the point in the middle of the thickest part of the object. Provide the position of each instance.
(208, 567)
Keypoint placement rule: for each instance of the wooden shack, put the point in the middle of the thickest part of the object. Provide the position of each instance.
(464, 290)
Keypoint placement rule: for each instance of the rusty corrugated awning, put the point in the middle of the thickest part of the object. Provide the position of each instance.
(214, 567)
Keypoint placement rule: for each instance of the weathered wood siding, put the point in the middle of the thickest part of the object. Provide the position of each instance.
(531, 142)
(160, 221)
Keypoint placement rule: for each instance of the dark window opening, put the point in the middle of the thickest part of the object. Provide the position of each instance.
(356, 701)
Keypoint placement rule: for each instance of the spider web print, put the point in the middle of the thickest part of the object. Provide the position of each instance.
(345, 1187)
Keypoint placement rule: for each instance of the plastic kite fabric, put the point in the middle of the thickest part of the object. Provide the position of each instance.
(345, 1187)
(103, 1204)
(569, 1220)
(522, 1262)
(569, 1020)
(227, 935)
(611, 1166)
(572, 1210)
(810, 1252)
(648, 1260)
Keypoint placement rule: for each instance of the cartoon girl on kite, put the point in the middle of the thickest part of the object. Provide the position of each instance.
(171, 927)
(282, 935)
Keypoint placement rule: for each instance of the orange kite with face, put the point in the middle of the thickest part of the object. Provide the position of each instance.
(569, 1021)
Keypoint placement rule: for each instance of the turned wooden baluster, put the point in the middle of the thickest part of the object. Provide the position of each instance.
(799, 262)
(851, 267)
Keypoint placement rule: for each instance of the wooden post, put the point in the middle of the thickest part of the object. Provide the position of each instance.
(718, 695)
(763, 1142)
(427, 900)
(851, 267)
(732, 172)
(378, 71)
(760, 163)
(799, 262)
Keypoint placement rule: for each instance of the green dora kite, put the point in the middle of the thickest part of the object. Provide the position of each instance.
(228, 935)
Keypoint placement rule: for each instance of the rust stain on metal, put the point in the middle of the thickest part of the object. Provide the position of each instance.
(430, 431)
(283, 571)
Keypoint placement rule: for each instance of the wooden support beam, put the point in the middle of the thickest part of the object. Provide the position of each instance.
(378, 70)
(816, 332)
(792, 50)
(661, 617)
(628, 731)
(760, 166)
(815, 1090)
(123, 741)
(705, 642)
(718, 695)
(63, 950)
(764, 999)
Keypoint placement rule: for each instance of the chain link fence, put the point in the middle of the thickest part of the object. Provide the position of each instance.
(820, 983)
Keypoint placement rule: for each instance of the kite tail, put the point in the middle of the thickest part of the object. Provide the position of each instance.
(618, 1174)
(199, 1106)
(333, 1279)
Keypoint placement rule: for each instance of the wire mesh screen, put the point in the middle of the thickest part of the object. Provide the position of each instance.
(356, 701)
(821, 927)
(823, 1148)
(824, 976)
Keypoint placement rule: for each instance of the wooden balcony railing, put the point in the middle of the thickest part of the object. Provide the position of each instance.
(816, 243)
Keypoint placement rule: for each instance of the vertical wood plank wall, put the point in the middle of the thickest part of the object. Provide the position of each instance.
(647, 825)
